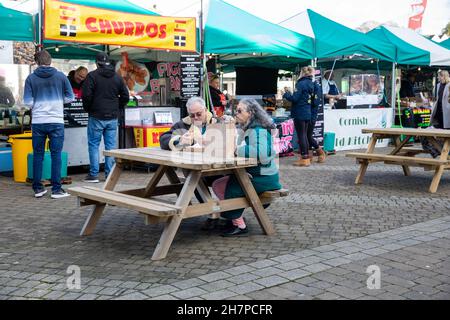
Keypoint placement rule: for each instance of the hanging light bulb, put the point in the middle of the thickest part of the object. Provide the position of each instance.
(56, 49)
(419, 68)
(254, 53)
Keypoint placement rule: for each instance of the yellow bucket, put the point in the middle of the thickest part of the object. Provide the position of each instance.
(21, 147)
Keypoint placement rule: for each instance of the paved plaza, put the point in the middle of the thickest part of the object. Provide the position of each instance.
(328, 233)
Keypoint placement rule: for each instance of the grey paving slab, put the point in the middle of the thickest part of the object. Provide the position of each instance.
(385, 221)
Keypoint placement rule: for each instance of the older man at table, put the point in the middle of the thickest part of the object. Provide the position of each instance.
(187, 132)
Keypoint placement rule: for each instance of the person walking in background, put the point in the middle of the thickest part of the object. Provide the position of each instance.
(76, 80)
(46, 91)
(6, 96)
(104, 92)
(440, 116)
(301, 111)
(329, 87)
(219, 101)
(407, 86)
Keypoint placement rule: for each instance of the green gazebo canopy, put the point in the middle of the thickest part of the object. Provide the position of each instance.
(411, 47)
(445, 44)
(332, 39)
(230, 30)
(16, 25)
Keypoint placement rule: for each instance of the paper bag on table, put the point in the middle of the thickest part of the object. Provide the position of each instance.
(219, 140)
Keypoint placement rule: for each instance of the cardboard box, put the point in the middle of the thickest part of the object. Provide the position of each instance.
(149, 136)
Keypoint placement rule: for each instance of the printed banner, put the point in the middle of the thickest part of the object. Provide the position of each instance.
(74, 114)
(76, 23)
(283, 142)
(347, 125)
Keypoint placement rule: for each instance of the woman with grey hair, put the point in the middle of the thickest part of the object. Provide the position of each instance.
(254, 141)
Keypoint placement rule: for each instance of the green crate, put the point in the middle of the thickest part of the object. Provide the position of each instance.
(328, 141)
(47, 165)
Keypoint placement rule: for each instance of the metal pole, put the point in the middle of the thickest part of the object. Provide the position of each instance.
(393, 91)
(202, 58)
(40, 41)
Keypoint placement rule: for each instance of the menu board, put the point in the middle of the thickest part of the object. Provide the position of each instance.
(190, 75)
(163, 117)
(318, 102)
(74, 114)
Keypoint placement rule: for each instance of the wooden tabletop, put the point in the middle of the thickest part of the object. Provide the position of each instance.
(440, 133)
(187, 160)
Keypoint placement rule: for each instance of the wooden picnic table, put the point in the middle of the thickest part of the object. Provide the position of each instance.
(194, 166)
(406, 156)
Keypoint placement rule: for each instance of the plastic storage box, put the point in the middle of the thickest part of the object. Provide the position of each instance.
(47, 165)
(6, 162)
(328, 141)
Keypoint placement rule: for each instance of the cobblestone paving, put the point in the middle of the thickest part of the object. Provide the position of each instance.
(328, 232)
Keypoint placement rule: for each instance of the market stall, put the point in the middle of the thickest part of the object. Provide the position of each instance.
(131, 35)
(16, 26)
(363, 103)
(352, 59)
(320, 38)
(419, 59)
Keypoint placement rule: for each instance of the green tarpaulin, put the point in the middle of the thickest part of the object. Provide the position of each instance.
(332, 39)
(230, 30)
(411, 47)
(445, 44)
(15, 25)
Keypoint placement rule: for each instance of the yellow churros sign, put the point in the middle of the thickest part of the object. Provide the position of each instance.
(76, 23)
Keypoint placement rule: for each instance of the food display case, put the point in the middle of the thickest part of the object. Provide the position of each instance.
(145, 119)
(363, 90)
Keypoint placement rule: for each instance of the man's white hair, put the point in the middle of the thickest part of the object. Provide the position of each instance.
(195, 100)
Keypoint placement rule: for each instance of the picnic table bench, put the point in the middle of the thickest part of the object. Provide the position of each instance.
(194, 166)
(406, 156)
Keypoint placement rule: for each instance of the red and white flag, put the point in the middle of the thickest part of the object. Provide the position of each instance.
(417, 10)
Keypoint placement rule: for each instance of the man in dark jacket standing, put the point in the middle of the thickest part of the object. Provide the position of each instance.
(46, 91)
(104, 93)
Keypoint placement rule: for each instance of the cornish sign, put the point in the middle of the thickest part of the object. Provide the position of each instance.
(347, 126)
